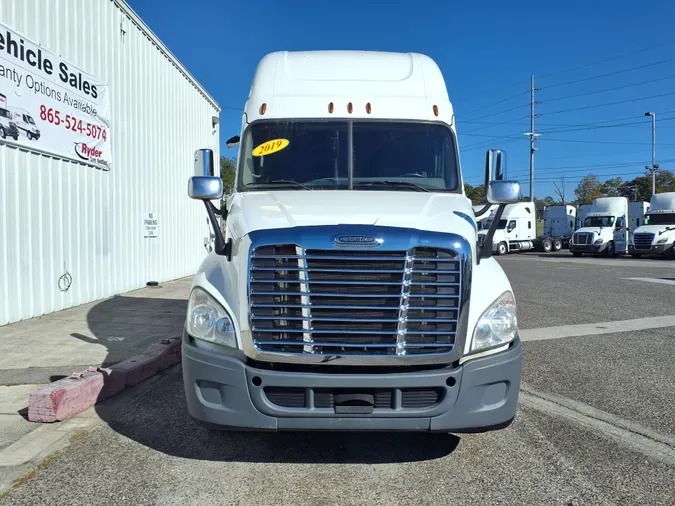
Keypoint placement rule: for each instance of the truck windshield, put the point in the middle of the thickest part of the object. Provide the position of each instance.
(314, 155)
(599, 221)
(660, 219)
(500, 225)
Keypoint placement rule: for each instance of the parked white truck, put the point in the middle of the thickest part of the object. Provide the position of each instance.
(606, 227)
(348, 291)
(517, 229)
(657, 235)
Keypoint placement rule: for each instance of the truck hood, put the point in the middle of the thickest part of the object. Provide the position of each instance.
(655, 229)
(252, 211)
(598, 231)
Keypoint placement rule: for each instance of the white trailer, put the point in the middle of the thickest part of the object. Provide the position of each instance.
(656, 235)
(606, 227)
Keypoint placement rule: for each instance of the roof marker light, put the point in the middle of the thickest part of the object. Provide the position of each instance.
(331, 107)
(263, 108)
(350, 107)
(368, 108)
(435, 110)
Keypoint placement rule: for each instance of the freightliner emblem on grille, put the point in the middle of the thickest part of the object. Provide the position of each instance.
(357, 240)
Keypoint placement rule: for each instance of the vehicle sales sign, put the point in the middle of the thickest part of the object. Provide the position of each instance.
(49, 104)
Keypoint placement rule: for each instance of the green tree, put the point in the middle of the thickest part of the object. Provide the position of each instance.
(640, 188)
(228, 168)
(588, 189)
(610, 188)
(475, 193)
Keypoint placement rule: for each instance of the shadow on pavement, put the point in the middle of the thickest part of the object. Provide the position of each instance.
(127, 325)
(154, 414)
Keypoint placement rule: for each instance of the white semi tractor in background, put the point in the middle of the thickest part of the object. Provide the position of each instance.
(607, 227)
(348, 290)
(656, 236)
(517, 228)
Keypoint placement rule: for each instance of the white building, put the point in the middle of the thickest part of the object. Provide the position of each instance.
(97, 204)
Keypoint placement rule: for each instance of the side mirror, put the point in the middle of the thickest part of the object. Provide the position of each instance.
(205, 188)
(203, 163)
(232, 141)
(497, 191)
(495, 166)
(503, 192)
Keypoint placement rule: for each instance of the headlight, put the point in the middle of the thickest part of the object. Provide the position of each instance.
(598, 241)
(207, 321)
(498, 324)
(662, 241)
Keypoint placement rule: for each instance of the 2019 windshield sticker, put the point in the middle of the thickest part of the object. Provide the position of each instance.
(269, 147)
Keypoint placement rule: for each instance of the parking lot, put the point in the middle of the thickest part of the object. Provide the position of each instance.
(596, 420)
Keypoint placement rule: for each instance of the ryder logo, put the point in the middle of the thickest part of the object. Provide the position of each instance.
(87, 153)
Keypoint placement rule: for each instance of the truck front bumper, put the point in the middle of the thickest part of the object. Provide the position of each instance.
(655, 249)
(587, 248)
(223, 391)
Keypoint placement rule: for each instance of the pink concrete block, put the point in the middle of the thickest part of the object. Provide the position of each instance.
(64, 398)
(67, 397)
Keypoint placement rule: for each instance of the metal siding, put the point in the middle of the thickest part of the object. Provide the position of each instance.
(57, 215)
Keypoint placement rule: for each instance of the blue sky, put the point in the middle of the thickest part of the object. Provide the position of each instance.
(590, 121)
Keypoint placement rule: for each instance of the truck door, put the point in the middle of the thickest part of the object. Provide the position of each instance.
(620, 235)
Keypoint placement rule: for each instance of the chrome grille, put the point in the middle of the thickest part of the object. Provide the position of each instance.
(643, 240)
(583, 238)
(354, 302)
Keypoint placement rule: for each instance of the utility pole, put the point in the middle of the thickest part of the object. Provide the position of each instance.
(532, 136)
(654, 165)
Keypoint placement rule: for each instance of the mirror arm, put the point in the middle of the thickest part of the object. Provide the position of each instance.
(485, 250)
(221, 247)
(216, 211)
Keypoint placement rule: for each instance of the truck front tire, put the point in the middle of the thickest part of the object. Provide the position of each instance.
(610, 252)
(502, 249)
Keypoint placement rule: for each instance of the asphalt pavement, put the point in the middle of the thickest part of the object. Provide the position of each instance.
(596, 422)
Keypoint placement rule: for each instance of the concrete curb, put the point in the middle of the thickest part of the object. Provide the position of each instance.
(67, 397)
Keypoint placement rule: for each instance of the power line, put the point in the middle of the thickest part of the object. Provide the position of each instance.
(608, 103)
(608, 89)
(497, 103)
(502, 112)
(608, 59)
(616, 72)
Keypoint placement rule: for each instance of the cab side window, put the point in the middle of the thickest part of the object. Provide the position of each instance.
(511, 225)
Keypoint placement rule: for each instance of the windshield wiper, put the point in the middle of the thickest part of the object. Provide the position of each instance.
(393, 183)
(281, 182)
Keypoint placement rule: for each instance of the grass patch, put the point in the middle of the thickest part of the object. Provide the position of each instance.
(33, 472)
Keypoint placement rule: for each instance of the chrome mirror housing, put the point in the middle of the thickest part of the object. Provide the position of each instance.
(205, 188)
(503, 192)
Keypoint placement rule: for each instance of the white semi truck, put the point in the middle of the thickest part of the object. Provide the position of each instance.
(348, 291)
(657, 234)
(517, 228)
(607, 226)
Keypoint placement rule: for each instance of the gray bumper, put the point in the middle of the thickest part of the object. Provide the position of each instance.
(222, 391)
(588, 248)
(656, 249)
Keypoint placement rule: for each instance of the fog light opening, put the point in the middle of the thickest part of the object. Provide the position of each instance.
(256, 381)
(450, 381)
